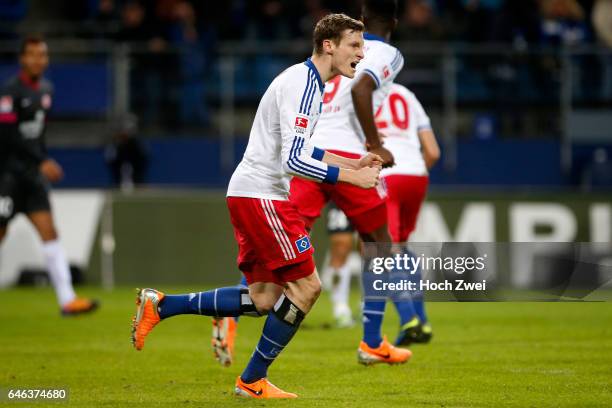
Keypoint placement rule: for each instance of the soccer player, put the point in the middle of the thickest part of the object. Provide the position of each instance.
(408, 135)
(26, 170)
(346, 127)
(341, 236)
(275, 253)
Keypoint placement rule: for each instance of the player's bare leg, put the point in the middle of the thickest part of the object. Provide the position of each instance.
(265, 295)
(43, 223)
(304, 292)
(57, 264)
(379, 235)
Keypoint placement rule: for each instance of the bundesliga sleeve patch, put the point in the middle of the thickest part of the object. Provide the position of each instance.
(301, 124)
(302, 244)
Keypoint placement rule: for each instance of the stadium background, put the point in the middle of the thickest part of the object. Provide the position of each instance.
(161, 94)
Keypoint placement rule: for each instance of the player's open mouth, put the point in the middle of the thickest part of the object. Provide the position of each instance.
(353, 65)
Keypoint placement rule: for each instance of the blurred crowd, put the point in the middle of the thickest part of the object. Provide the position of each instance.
(175, 71)
(544, 22)
(176, 74)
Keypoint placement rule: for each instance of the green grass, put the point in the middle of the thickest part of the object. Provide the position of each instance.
(482, 355)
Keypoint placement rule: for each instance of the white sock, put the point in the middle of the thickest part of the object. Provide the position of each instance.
(327, 277)
(355, 264)
(59, 271)
(340, 292)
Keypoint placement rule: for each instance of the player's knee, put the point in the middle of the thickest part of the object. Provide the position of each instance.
(264, 302)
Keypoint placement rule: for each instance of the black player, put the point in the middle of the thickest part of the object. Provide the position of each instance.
(25, 169)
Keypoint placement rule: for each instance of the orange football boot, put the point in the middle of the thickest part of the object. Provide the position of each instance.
(223, 335)
(385, 353)
(79, 306)
(260, 389)
(146, 317)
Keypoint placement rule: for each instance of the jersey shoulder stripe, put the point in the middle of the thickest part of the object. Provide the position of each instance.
(313, 89)
(316, 86)
(397, 61)
(310, 84)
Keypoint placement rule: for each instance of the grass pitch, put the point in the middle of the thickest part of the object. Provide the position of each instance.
(482, 355)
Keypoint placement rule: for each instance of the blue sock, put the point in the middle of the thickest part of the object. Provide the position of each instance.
(418, 300)
(403, 299)
(405, 309)
(243, 283)
(373, 312)
(419, 308)
(275, 336)
(373, 309)
(217, 302)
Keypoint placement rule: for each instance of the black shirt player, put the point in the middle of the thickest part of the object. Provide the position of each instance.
(25, 169)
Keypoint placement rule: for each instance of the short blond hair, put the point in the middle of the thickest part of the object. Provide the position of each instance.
(331, 27)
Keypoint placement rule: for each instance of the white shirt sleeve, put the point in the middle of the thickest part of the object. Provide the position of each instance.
(382, 66)
(299, 158)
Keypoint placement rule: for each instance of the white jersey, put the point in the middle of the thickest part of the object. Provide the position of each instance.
(339, 128)
(401, 118)
(279, 140)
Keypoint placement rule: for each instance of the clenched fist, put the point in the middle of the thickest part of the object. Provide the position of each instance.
(371, 160)
(385, 155)
(366, 177)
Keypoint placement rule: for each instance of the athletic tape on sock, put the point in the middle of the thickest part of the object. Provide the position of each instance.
(247, 307)
(288, 312)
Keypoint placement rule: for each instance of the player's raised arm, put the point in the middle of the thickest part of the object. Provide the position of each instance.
(376, 73)
(361, 93)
